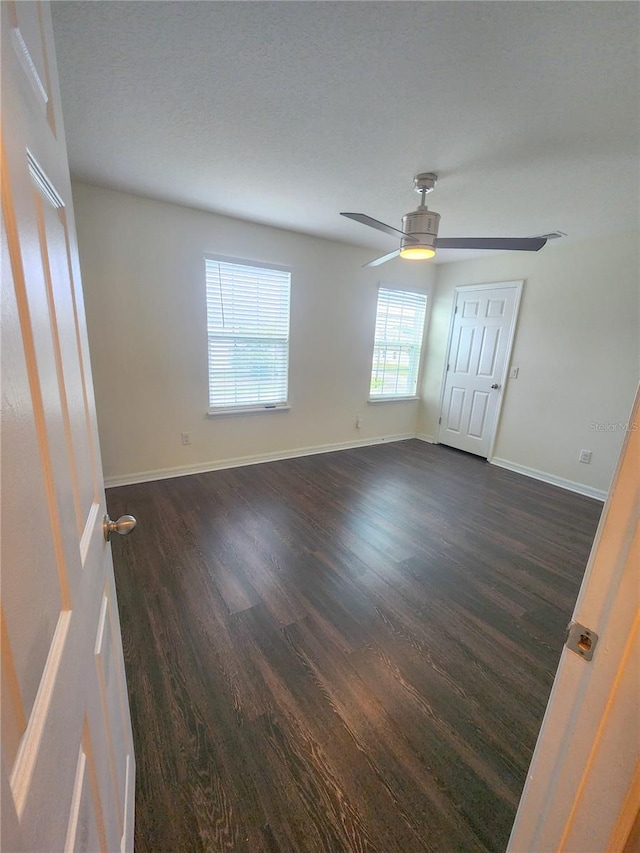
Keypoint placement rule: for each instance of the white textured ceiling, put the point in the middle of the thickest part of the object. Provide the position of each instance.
(288, 112)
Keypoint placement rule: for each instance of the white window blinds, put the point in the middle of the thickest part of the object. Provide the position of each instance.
(398, 342)
(248, 330)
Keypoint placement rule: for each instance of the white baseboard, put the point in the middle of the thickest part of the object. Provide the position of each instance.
(422, 436)
(570, 485)
(218, 465)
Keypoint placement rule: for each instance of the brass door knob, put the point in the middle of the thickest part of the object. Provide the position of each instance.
(123, 525)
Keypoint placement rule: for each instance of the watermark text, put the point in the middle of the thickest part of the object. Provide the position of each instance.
(608, 426)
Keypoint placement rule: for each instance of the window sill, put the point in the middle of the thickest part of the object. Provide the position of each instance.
(392, 399)
(248, 410)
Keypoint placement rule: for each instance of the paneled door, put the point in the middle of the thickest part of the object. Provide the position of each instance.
(481, 337)
(67, 757)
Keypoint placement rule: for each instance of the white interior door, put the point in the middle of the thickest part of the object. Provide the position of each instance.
(67, 755)
(583, 788)
(479, 350)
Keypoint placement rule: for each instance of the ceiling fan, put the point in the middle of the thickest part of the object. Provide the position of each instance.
(419, 234)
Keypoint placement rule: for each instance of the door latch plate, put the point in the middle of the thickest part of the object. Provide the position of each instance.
(581, 640)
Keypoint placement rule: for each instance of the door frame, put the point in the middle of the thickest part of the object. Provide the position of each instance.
(518, 286)
(583, 782)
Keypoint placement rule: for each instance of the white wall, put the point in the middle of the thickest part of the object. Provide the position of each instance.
(576, 346)
(143, 275)
(142, 262)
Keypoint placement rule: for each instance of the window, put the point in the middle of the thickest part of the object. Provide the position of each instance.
(398, 342)
(248, 329)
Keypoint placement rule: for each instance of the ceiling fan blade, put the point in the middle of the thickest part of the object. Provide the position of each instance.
(380, 226)
(512, 244)
(382, 260)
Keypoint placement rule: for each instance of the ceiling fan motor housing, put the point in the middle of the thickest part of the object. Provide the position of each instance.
(422, 224)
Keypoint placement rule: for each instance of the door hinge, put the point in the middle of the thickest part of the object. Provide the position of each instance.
(581, 640)
(439, 420)
(448, 366)
(456, 311)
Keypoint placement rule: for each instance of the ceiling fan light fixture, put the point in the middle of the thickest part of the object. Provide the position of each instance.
(421, 228)
(417, 252)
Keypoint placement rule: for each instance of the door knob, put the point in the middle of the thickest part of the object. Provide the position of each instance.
(123, 525)
(495, 386)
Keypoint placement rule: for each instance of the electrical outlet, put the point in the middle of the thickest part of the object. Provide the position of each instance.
(358, 421)
(585, 456)
(513, 373)
(186, 437)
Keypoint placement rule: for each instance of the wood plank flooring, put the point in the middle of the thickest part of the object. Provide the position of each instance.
(344, 652)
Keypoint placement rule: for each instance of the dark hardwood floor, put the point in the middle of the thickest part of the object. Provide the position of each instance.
(344, 652)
